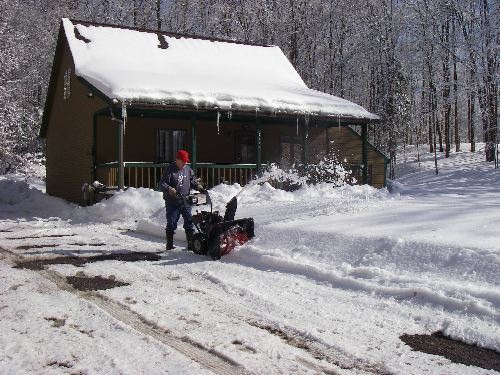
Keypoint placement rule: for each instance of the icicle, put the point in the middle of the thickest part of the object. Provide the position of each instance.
(218, 122)
(124, 116)
(230, 115)
(297, 126)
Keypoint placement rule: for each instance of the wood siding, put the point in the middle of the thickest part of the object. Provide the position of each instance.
(69, 135)
(347, 145)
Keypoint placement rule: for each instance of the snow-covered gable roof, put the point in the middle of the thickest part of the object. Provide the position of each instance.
(133, 65)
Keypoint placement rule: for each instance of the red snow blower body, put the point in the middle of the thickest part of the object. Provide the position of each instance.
(217, 235)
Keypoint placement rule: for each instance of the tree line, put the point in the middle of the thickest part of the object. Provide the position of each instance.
(428, 68)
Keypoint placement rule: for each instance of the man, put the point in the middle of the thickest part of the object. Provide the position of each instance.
(177, 181)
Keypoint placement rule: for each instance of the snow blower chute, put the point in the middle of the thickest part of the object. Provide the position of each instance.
(216, 236)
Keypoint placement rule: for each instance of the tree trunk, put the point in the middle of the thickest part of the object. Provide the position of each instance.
(455, 90)
(439, 131)
(471, 124)
(134, 13)
(455, 110)
(446, 88)
(158, 14)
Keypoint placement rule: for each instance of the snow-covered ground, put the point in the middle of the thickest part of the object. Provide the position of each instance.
(332, 279)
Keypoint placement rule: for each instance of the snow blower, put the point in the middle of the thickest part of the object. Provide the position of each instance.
(218, 235)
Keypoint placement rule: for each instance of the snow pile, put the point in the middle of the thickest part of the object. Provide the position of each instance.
(125, 206)
(129, 65)
(16, 196)
(318, 194)
(268, 204)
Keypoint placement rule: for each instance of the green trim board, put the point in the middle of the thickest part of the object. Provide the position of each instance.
(193, 143)
(258, 141)
(208, 114)
(129, 164)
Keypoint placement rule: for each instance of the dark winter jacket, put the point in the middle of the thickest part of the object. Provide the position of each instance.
(181, 180)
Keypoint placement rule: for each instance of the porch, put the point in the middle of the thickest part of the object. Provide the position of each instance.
(148, 174)
(132, 148)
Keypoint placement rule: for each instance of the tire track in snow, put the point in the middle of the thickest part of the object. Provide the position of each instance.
(289, 335)
(211, 359)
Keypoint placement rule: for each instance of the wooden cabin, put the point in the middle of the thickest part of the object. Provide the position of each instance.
(122, 101)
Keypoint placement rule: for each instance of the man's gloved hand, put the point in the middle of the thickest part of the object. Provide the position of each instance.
(201, 189)
(171, 191)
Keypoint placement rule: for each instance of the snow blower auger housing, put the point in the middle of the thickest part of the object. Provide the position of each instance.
(216, 236)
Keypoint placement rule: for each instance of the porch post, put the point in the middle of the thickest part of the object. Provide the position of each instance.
(305, 138)
(364, 138)
(94, 146)
(258, 141)
(193, 143)
(121, 165)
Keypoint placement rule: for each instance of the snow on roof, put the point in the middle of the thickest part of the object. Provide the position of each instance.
(145, 66)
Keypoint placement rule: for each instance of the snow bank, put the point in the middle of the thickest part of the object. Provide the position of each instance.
(19, 199)
(266, 194)
(17, 196)
(129, 205)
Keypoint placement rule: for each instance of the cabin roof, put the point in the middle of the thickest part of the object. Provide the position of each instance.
(139, 66)
(134, 65)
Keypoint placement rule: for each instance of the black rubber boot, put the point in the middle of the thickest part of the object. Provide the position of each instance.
(170, 240)
(189, 239)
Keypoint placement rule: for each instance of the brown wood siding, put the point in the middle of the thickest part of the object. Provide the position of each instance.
(69, 135)
(317, 144)
(141, 137)
(347, 145)
(107, 140)
(213, 147)
(271, 139)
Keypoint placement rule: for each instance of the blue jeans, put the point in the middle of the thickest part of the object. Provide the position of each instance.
(174, 212)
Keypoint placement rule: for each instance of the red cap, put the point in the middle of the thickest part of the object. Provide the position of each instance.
(183, 155)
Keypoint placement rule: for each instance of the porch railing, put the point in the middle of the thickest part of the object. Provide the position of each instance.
(137, 174)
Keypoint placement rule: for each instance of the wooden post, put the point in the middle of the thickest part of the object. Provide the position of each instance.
(193, 143)
(364, 137)
(258, 141)
(305, 139)
(94, 147)
(121, 164)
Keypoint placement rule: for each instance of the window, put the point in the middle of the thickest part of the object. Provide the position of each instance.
(290, 151)
(245, 147)
(168, 142)
(67, 84)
